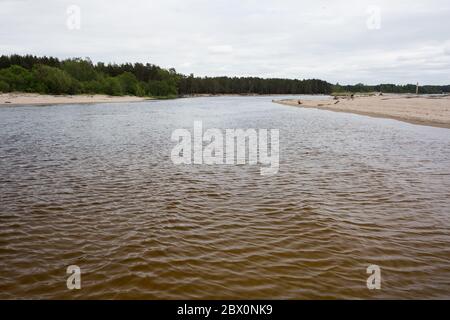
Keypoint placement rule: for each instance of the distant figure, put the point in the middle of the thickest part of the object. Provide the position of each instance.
(299, 102)
(352, 96)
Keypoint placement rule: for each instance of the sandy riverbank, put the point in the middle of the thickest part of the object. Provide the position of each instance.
(39, 99)
(424, 110)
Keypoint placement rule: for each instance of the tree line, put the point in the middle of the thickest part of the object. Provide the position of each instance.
(49, 75)
(391, 88)
(251, 85)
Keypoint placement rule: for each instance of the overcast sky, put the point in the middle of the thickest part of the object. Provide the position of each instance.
(353, 41)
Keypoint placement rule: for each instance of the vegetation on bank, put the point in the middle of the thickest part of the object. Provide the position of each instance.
(80, 76)
(251, 85)
(50, 75)
(388, 88)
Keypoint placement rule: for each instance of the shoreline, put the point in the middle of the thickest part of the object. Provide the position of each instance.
(431, 111)
(35, 99)
(209, 95)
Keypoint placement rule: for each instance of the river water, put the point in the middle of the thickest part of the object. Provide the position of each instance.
(94, 186)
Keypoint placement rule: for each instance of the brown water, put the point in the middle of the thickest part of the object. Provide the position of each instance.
(94, 186)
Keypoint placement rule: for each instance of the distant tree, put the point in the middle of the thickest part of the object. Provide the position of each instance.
(50, 75)
(112, 86)
(4, 86)
(129, 83)
(55, 80)
(16, 78)
(80, 69)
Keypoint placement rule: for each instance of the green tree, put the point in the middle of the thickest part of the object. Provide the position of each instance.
(4, 86)
(112, 86)
(55, 80)
(17, 78)
(80, 69)
(129, 83)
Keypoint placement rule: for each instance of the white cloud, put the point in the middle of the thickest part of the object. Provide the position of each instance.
(221, 49)
(326, 39)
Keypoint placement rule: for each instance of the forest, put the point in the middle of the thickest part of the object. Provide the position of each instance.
(49, 75)
(391, 88)
(80, 76)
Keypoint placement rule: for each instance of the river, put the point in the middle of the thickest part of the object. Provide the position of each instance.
(94, 186)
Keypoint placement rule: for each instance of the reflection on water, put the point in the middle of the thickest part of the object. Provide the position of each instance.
(94, 186)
